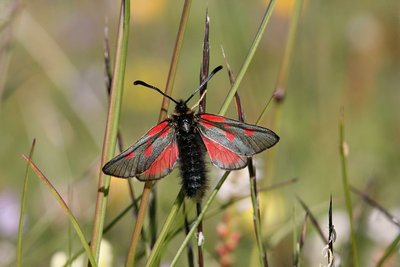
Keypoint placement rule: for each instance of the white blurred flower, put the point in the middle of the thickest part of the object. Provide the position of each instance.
(105, 260)
(237, 184)
(380, 229)
(60, 258)
(106, 254)
(9, 214)
(364, 32)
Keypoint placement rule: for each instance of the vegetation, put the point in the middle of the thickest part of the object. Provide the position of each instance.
(323, 75)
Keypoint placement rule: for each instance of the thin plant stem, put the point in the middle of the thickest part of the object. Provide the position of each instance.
(107, 228)
(343, 151)
(198, 219)
(253, 182)
(229, 203)
(66, 209)
(300, 242)
(313, 221)
(199, 234)
(163, 113)
(187, 229)
(389, 251)
(170, 220)
(111, 131)
(205, 64)
(23, 207)
(256, 214)
(204, 71)
(373, 203)
(249, 57)
(331, 236)
(280, 86)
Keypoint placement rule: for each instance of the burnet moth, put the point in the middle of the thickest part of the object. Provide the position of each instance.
(185, 137)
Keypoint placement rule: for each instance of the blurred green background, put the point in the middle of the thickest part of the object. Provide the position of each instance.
(346, 54)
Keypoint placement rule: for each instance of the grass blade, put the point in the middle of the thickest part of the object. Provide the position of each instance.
(300, 243)
(154, 255)
(346, 189)
(67, 211)
(331, 236)
(111, 131)
(313, 221)
(253, 181)
(249, 57)
(373, 203)
(23, 207)
(280, 87)
(390, 250)
(198, 220)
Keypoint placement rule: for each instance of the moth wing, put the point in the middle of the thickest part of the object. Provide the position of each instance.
(241, 138)
(222, 157)
(152, 157)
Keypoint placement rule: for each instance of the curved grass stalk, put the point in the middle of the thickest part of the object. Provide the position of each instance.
(23, 207)
(67, 211)
(346, 189)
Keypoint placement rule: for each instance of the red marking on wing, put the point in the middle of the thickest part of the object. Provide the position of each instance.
(223, 157)
(163, 164)
(147, 152)
(156, 129)
(207, 124)
(249, 132)
(164, 133)
(213, 118)
(130, 155)
(230, 136)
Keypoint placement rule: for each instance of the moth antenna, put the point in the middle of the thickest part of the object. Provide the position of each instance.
(205, 82)
(142, 83)
(198, 102)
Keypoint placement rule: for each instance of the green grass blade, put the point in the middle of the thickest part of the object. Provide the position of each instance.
(67, 211)
(111, 131)
(346, 189)
(193, 229)
(249, 57)
(155, 252)
(280, 87)
(23, 207)
(107, 228)
(392, 248)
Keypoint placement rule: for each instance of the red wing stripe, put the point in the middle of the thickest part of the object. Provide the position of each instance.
(162, 165)
(223, 157)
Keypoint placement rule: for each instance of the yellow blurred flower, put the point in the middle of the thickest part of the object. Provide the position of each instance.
(272, 207)
(119, 193)
(144, 11)
(284, 8)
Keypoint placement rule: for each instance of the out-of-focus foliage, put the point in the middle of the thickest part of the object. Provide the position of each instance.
(346, 54)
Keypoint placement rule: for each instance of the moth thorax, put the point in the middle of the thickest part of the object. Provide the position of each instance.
(186, 125)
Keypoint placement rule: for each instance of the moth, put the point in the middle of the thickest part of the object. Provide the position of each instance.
(186, 138)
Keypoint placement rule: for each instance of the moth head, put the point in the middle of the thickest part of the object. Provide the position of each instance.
(182, 108)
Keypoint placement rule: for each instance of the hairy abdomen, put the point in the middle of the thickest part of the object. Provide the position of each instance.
(192, 165)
